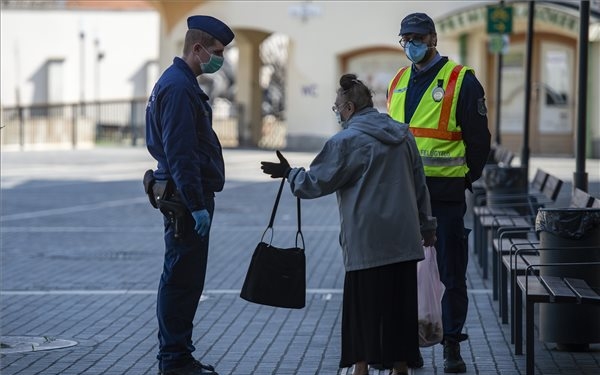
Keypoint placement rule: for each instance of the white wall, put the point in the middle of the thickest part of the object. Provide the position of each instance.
(129, 39)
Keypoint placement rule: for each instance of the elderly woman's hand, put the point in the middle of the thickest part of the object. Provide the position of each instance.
(276, 170)
(429, 238)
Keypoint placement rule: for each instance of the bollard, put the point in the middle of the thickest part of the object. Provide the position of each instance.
(572, 327)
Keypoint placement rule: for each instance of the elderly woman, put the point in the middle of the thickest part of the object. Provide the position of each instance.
(374, 167)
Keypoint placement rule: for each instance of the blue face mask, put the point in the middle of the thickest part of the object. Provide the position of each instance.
(415, 51)
(214, 63)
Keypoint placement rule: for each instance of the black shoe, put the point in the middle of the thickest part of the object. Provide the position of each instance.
(416, 364)
(453, 362)
(194, 368)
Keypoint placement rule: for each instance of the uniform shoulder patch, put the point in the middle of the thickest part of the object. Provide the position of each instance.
(481, 108)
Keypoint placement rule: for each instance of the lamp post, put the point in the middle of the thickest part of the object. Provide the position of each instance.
(99, 56)
(81, 70)
(304, 11)
(81, 66)
(528, 66)
(580, 177)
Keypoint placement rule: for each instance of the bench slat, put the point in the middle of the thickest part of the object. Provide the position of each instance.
(558, 290)
(522, 262)
(536, 292)
(487, 210)
(505, 221)
(507, 243)
(582, 290)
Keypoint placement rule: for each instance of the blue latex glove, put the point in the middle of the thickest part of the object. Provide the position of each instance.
(202, 219)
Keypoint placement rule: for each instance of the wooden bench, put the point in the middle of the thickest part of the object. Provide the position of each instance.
(535, 189)
(512, 238)
(488, 218)
(499, 156)
(536, 288)
(503, 156)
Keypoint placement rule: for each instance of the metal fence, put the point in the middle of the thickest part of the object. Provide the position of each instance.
(122, 122)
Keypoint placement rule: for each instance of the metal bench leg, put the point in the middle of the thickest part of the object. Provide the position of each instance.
(480, 242)
(529, 344)
(476, 229)
(494, 273)
(503, 294)
(476, 233)
(518, 320)
(484, 254)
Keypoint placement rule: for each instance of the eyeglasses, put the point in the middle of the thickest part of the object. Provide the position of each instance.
(416, 40)
(336, 108)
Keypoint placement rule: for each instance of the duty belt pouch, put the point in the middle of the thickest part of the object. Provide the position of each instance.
(149, 186)
(161, 194)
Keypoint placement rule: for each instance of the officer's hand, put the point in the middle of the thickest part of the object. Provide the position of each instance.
(276, 170)
(202, 218)
(429, 238)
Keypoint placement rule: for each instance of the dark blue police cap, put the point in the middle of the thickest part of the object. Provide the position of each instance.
(417, 23)
(212, 26)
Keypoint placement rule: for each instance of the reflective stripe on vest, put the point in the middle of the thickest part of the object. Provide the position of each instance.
(433, 124)
(443, 162)
(393, 86)
(442, 130)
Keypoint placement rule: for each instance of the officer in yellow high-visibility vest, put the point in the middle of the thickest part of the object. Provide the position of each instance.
(445, 106)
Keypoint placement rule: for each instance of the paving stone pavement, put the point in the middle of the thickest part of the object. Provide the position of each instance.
(81, 255)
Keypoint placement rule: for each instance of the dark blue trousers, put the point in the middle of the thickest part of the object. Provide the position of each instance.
(452, 259)
(179, 291)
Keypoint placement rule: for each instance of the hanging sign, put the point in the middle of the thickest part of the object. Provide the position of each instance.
(499, 19)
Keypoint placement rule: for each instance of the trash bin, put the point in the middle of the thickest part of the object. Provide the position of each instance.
(572, 327)
(507, 186)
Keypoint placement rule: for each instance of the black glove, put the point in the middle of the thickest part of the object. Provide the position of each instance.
(276, 170)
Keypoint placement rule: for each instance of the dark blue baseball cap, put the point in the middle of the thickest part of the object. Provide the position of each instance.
(417, 23)
(212, 26)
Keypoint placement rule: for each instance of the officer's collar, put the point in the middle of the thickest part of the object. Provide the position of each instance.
(433, 61)
(181, 64)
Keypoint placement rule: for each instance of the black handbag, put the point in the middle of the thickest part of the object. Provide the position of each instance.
(277, 276)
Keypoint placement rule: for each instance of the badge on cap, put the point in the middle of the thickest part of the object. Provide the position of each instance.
(438, 92)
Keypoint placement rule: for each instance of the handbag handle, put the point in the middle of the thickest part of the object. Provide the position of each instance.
(274, 211)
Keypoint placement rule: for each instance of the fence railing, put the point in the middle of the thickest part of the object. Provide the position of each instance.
(119, 122)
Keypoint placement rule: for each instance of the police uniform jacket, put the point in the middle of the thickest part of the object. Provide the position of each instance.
(180, 137)
(374, 168)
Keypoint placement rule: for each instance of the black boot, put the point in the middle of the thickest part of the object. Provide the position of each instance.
(453, 362)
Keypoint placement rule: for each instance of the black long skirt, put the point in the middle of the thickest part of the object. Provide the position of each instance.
(380, 315)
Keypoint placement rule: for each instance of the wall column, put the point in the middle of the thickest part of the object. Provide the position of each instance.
(249, 92)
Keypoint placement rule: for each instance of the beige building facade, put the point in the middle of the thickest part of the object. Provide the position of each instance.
(328, 38)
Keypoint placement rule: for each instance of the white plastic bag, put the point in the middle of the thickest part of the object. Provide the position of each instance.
(430, 293)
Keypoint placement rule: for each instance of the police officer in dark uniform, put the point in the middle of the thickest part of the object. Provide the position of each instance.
(190, 170)
(444, 104)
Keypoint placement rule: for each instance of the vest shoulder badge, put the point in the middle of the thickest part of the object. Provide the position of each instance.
(481, 108)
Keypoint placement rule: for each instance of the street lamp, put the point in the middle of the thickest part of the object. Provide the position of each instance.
(304, 11)
(99, 57)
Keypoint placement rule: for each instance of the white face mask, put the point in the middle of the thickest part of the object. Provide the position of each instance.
(338, 115)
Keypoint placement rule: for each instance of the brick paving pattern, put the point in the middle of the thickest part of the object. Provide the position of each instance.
(81, 255)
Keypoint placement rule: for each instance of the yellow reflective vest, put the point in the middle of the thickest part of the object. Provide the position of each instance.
(433, 124)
